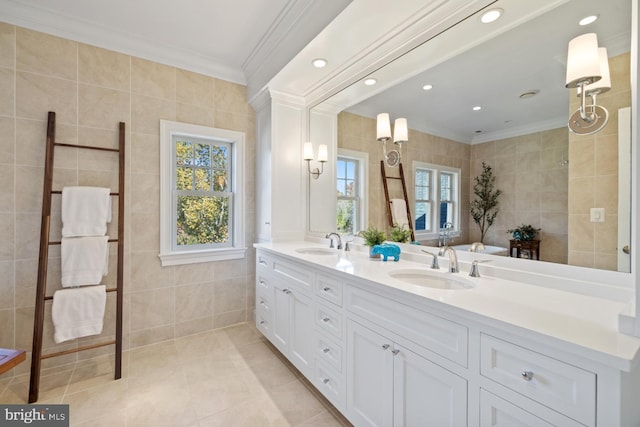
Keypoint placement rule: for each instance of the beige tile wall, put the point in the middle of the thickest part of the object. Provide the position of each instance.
(359, 133)
(91, 90)
(527, 170)
(533, 181)
(593, 177)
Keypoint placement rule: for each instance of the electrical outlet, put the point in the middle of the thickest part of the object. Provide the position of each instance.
(597, 214)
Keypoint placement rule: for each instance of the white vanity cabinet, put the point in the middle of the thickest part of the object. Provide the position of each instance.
(385, 356)
(284, 309)
(389, 385)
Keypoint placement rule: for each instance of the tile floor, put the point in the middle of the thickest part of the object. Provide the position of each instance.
(229, 377)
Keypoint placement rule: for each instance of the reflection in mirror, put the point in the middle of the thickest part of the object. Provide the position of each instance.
(549, 178)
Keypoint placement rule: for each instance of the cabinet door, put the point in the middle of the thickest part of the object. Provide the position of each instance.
(369, 377)
(301, 331)
(280, 327)
(425, 394)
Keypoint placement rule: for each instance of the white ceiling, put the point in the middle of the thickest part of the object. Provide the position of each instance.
(493, 73)
(245, 41)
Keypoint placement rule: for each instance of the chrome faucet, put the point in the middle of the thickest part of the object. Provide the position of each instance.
(453, 258)
(477, 247)
(434, 262)
(475, 272)
(443, 238)
(330, 236)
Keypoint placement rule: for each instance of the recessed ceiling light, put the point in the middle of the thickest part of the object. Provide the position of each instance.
(491, 15)
(427, 87)
(319, 62)
(477, 108)
(370, 81)
(588, 20)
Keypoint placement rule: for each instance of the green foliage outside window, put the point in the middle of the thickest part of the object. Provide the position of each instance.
(203, 199)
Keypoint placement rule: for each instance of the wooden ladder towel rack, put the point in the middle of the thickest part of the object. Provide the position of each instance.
(385, 186)
(41, 297)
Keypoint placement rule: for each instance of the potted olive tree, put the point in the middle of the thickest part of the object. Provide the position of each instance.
(484, 208)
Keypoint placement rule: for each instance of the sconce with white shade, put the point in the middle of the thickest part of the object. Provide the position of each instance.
(588, 71)
(400, 136)
(323, 156)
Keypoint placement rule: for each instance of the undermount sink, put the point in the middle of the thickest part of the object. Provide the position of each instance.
(432, 280)
(316, 251)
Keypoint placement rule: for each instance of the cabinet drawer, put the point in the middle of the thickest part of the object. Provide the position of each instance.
(293, 274)
(329, 289)
(327, 351)
(328, 320)
(263, 303)
(263, 261)
(331, 385)
(263, 323)
(495, 411)
(263, 284)
(434, 333)
(558, 385)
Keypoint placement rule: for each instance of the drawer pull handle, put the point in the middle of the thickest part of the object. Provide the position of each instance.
(262, 322)
(263, 283)
(396, 351)
(326, 381)
(326, 289)
(527, 375)
(263, 263)
(326, 350)
(286, 291)
(385, 346)
(326, 320)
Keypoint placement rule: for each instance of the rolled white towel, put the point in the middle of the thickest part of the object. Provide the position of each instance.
(78, 312)
(84, 260)
(85, 211)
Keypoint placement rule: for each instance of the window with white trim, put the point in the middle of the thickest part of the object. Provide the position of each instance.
(351, 177)
(437, 196)
(201, 194)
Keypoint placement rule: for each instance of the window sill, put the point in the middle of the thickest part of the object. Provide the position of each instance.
(193, 257)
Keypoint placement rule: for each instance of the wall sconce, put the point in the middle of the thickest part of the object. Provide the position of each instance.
(588, 71)
(322, 158)
(400, 136)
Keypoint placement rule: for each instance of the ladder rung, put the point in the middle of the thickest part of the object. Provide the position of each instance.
(76, 350)
(88, 147)
(108, 290)
(59, 242)
(60, 192)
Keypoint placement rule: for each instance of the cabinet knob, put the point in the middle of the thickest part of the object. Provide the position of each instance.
(326, 350)
(326, 289)
(396, 351)
(326, 381)
(286, 291)
(527, 375)
(326, 319)
(385, 346)
(262, 322)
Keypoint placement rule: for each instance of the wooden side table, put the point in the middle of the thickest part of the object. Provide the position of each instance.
(10, 358)
(531, 246)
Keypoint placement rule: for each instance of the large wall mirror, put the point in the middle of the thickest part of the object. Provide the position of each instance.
(514, 69)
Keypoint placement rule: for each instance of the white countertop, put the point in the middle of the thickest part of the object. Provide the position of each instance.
(587, 324)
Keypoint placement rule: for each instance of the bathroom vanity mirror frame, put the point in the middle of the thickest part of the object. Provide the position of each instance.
(324, 115)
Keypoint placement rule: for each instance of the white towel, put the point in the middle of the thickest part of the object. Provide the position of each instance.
(85, 211)
(84, 260)
(399, 212)
(78, 312)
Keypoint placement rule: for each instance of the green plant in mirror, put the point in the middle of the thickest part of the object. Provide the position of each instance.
(524, 232)
(484, 208)
(399, 233)
(372, 236)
